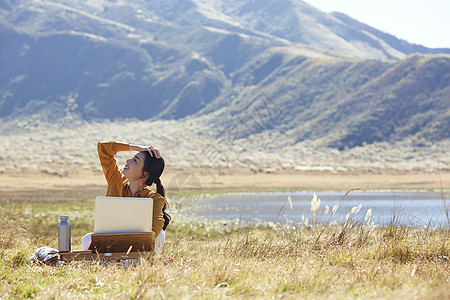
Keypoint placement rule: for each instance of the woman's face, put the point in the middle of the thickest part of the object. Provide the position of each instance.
(134, 166)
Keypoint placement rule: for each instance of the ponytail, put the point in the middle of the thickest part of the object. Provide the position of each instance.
(154, 167)
(160, 190)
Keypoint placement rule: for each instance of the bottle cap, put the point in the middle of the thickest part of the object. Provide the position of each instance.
(64, 217)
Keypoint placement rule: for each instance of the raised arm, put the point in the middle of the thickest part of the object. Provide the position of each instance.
(106, 152)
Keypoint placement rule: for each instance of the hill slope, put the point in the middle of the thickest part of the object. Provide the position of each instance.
(340, 103)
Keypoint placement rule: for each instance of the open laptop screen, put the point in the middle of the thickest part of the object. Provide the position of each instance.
(123, 215)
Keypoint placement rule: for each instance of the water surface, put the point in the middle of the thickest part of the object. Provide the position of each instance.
(406, 208)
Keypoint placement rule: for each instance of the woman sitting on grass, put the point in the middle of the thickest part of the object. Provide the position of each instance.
(138, 174)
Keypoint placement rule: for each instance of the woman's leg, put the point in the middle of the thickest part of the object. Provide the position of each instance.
(86, 242)
(159, 242)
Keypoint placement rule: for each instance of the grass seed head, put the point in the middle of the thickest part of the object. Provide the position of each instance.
(335, 207)
(368, 214)
(356, 209)
(315, 204)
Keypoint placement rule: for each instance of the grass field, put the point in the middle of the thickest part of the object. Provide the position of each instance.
(212, 261)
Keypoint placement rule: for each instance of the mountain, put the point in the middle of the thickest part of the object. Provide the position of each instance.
(326, 77)
(340, 103)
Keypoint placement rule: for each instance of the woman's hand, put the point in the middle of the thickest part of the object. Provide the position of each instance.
(151, 149)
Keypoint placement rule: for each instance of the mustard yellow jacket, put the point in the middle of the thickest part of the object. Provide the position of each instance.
(118, 184)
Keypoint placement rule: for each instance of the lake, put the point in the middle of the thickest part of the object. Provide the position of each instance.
(405, 208)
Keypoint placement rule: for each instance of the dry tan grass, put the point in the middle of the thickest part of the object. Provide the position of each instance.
(254, 263)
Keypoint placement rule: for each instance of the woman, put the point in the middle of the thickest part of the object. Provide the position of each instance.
(138, 174)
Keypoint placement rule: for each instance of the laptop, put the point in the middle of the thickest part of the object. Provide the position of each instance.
(123, 214)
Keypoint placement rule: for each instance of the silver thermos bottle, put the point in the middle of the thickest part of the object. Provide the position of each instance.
(64, 234)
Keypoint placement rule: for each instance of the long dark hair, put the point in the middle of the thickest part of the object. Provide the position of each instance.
(154, 168)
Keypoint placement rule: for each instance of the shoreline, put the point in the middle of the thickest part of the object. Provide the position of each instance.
(239, 180)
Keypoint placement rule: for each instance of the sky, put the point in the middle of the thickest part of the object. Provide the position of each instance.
(423, 22)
